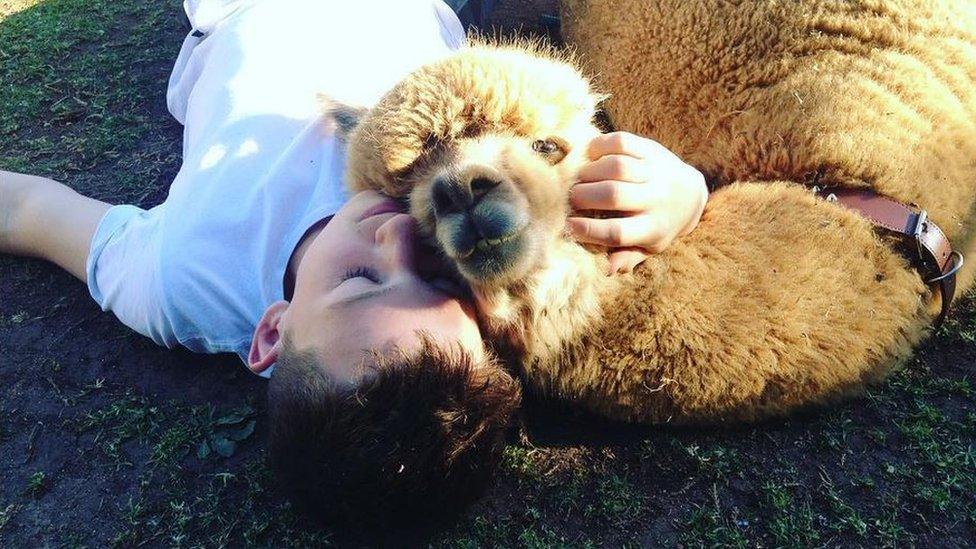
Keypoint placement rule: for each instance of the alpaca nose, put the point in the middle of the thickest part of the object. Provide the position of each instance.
(456, 194)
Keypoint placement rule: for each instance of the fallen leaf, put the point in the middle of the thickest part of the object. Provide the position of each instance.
(223, 446)
(244, 432)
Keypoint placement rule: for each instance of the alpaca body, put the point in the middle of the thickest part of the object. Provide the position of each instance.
(778, 300)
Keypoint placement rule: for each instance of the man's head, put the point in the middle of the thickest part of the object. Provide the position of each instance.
(360, 287)
(418, 438)
(381, 373)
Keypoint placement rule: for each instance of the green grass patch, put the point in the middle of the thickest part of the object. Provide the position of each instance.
(7, 513)
(37, 484)
(522, 462)
(172, 430)
(79, 103)
(617, 500)
(714, 525)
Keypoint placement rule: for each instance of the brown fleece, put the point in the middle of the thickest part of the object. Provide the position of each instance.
(778, 300)
(862, 93)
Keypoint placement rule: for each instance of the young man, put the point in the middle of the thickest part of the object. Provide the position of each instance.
(384, 403)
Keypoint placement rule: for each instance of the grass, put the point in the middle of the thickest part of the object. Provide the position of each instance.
(78, 103)
(171, 430)
(6, 514)
(213, 514)
(617, 501)
(713, 524)
(36, 484)
(95, 433)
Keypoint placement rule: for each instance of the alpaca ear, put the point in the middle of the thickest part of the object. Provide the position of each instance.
(344, 117)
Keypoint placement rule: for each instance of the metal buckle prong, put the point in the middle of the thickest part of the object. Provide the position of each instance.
(923, 216)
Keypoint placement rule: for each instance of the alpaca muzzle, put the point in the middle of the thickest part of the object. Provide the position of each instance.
(479, 224)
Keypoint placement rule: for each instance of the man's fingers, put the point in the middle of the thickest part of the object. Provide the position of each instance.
(626, 260)
(626, 144)
(639, 230)
(617, 167)
(614, 195)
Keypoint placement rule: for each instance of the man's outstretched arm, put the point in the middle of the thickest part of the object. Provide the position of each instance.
(40, 217)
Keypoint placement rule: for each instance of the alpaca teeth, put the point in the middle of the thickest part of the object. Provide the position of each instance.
(486, 243)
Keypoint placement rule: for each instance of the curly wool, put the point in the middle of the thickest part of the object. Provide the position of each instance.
(778, 300)
(524, 87)
(874, 93)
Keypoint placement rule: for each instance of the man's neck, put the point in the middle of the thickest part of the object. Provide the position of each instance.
(299, 253)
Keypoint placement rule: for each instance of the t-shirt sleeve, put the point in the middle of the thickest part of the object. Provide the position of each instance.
(452, 31)
(123, 269)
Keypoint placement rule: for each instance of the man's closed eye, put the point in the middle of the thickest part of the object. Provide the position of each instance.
(361, 272)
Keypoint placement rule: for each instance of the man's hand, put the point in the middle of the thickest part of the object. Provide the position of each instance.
(655, 196)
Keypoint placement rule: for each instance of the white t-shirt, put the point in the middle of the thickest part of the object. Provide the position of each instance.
(259, 167)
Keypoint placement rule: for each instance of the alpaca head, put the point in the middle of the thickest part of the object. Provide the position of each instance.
(485, 144)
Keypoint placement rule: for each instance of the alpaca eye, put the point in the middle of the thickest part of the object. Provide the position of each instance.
(552, 149)
(545, 146)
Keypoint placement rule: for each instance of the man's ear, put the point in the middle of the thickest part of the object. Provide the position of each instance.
(344, 117)
(266, 343)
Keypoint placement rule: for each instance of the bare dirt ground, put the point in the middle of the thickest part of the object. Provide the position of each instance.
(107, 440)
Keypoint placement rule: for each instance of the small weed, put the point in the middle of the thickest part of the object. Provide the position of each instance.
(6, 514)
(174, 444)
(130, 417)
(617, 501)
(37, 484)
(715, 460)
(74, 540)
(521, 462)
(969, 422)
(940, 498)
(836, 433)
(224, 433)
(712, 525)
(777, 496)
(571, 495)
(480, 532)
(848, 517)
(889, 528)
(878, 435)
(540, 537)
(791, 525)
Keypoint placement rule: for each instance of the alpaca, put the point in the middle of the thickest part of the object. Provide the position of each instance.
(778, 299)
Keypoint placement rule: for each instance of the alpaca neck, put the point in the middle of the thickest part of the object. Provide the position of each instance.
(536, 317)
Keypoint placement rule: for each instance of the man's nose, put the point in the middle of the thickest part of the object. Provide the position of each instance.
(395, 240)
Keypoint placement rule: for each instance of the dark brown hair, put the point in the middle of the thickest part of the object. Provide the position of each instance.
(419, 438)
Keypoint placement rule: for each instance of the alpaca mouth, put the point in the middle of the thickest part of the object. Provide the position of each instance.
(491, 258)
(487, 245)
(482, 224)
